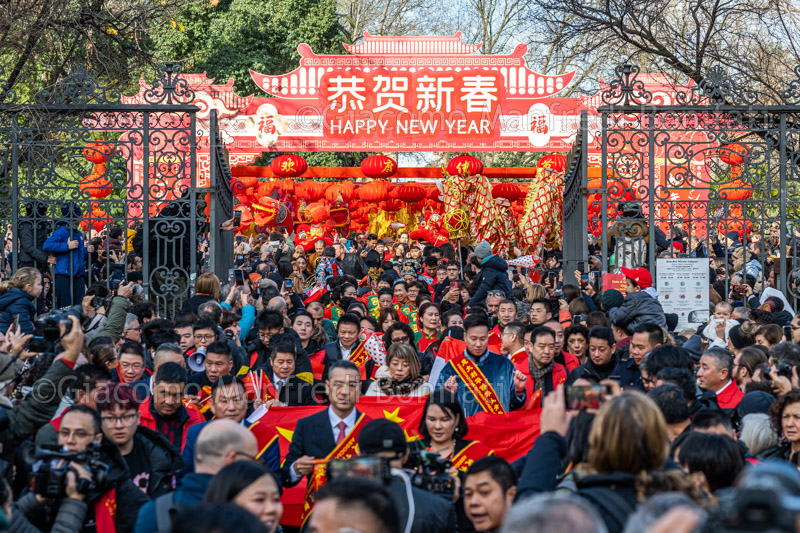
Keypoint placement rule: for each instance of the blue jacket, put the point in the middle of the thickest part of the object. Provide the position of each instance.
(492, 277)
(57, 244)
(499, 371)
(16, 302)
(271, 457)
(188, 494)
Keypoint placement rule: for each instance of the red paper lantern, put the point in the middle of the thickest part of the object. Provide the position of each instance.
(409, 193)
(288, 186)
(345, 188)
(97, 152)
(95, 184)
(379, 166)
(288, 166)
(733, 154)
(244, 182)
(510, 191)
(464, 165)
(736, 191)
(553, 162)
(376, 191)
(98, 218)
(315, 213)
(310, 191)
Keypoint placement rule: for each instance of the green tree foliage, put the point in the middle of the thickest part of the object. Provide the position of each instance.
(228, 38)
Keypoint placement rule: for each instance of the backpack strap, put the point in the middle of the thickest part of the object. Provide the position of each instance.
(166, 509)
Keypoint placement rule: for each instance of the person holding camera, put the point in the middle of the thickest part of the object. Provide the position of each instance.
(38, 407)
(101, 477)
(385, 439)
(71, 513)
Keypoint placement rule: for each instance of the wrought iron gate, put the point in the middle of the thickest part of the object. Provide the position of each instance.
(80, 155)
(716, 167)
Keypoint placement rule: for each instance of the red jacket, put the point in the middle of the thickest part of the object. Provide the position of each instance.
(147, 420)
(559, 375)
(571, 361)
(730, 396)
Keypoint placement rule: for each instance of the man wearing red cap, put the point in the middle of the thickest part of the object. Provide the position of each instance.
(639, 307)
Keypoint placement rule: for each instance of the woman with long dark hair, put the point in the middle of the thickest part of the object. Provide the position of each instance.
(251, 486)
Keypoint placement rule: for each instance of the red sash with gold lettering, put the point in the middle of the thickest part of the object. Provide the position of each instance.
(359, 357)
(344, 450)
(483, 391)
(471, 453)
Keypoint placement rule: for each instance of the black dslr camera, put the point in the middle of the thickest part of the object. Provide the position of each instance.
(46, 331)
(430, 472)
(50, 478)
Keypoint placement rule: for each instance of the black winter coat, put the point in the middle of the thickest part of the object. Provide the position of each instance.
(352, 265)
(33, 231)
(165, 461)
(613, 495)
(492, 277)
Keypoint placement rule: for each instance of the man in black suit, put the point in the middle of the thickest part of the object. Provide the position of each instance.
(316, 436)
(347, 330)
(291, 390)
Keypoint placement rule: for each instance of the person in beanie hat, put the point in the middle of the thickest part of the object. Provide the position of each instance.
(639, 307)
(493, 275)
(611, 298)
(483, 250)
(384, 438)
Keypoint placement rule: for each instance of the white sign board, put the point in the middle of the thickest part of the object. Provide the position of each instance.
(682, 286)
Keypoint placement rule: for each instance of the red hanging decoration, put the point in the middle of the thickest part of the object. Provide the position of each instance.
(553, 162)
(345, 188)
(733, 154)
(409, 193)
(464, 165)
(376, 191)
(310, 191)
(379, 166)
(288, 166)
(97, 152)
(511, 191)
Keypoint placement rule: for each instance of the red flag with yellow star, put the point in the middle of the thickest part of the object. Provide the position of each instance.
(406, 411)
(510, 435)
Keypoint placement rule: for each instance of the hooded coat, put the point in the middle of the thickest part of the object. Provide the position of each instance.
(492, 277)
(33, 232)
(17, 303)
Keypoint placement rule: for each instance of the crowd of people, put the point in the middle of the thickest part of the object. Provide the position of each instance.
(115, 418)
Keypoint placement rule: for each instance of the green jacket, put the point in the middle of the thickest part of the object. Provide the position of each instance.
(115, 323)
